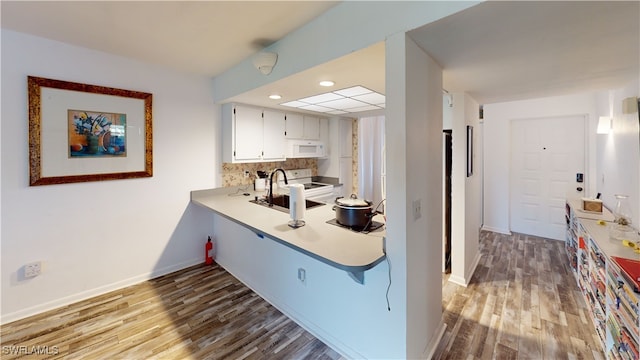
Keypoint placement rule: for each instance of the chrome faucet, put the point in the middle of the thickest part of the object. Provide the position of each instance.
(271, 184)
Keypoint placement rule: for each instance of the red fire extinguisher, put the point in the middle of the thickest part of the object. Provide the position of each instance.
(208, 252)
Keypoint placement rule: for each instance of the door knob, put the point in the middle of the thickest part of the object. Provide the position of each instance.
(579, 188)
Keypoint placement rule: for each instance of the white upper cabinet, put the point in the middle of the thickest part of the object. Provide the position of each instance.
(295, 126)
(248, 136)
(274, 142)
(248, 133)
(305, 127)
(254, 134)
(311, 129)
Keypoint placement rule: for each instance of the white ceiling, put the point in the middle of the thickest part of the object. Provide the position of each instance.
(507, 50)
(202, 37)
(495, 51)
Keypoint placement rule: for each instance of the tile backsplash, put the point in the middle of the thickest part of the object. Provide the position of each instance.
(233, 174)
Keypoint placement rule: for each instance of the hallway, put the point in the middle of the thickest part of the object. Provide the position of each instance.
(522, 303)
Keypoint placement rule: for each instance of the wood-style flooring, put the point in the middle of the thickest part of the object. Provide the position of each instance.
(522, 303)
(200, 312)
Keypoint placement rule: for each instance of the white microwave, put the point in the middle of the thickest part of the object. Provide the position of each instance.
(305, 148)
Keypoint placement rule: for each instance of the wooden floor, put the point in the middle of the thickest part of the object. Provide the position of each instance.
(522, 303)
(198, 313)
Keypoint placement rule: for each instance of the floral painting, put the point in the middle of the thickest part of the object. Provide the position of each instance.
(96, 134)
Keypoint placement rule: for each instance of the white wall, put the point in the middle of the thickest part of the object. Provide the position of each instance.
(497, 125)
(350, 317)
(413, 138)
(365, 22)
(466, 209)
(98, 236)
(618, 153)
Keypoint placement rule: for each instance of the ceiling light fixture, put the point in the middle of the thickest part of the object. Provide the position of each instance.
(343, 101)
(275, 97)
(264, 61)
(327, 83)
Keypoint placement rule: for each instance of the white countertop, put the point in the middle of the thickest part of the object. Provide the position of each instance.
(600, 233)
(334, 245)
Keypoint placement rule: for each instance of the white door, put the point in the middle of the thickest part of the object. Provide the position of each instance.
(547, 154)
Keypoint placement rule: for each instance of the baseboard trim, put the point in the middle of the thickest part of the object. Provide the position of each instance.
(496, 230)
(472, 270)
(435, 341)
(40, 308)
(464, 281)
(329, 340)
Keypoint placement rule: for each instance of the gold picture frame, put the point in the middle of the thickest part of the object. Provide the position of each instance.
(60, 111)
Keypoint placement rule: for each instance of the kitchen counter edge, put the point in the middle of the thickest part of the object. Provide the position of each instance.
(215, 199)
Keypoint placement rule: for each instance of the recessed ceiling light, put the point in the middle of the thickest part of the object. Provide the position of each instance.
(275, 97)
(327, 83)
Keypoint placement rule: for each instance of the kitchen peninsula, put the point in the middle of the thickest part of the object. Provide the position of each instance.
(342, 248)
(332, 281)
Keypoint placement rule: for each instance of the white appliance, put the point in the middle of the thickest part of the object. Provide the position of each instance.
(312, 190)
(305, 149)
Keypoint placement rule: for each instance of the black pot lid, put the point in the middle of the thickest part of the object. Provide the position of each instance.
(353, 201)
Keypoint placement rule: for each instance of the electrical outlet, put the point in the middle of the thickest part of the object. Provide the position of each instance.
(302, 275)
(417, 209)
(246, 174)
(33, 269)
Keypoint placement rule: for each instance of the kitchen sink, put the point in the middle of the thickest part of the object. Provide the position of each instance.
(281, 203)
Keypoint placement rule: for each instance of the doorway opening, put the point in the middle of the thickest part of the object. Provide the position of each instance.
(448, 168)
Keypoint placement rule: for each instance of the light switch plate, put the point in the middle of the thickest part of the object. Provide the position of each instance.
(417, 209)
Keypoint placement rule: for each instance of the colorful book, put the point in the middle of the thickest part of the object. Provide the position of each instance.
(631, 270)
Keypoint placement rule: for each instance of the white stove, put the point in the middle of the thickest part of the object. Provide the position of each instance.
(312, 190)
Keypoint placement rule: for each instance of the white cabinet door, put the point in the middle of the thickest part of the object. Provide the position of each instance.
(248, 134)
(346, 141)
(295, 126)
(274, 141)
(346, 175)
(324, 136)
(311, 128)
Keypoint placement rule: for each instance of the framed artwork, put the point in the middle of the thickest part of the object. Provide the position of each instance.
(80, 132)
(469, 150)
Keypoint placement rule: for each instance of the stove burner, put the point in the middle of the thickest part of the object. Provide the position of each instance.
(373, 226)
